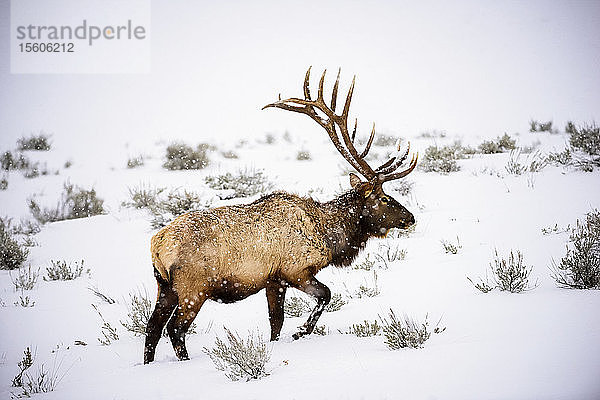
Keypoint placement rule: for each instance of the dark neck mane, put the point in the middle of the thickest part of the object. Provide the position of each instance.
(343, 231)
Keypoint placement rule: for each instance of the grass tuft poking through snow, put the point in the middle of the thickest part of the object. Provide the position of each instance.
(60, 270)
(109, 332)
(450, 247)
(25, 279)
(43, 380)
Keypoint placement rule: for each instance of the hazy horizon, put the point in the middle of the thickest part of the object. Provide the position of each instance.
(467, 68)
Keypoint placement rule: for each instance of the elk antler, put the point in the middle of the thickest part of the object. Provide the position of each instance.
(384, 172)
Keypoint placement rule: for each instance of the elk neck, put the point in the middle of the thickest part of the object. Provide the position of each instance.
(344, 232)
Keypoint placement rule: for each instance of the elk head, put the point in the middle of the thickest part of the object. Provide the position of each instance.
(379, 212)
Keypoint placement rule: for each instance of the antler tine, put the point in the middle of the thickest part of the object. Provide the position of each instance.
(334, 94)
(402, 174)
(348, 100)
(369, 143)
(386, 164)
(390, 167)
(354, 130)
(321, 82)
(306, 84)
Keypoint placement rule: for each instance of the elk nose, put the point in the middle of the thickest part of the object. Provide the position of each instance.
(410, 221)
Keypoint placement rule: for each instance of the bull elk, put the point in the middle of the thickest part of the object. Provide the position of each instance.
(281, 240)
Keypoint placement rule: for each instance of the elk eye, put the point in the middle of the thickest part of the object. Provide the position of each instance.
(384, 199)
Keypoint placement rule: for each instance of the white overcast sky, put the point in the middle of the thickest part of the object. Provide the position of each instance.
(469, 68)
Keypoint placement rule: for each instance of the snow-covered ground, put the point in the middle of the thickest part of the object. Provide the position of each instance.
(542, 344)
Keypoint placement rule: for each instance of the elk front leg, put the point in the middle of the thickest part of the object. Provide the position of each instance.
(320, 292)
(276, 299)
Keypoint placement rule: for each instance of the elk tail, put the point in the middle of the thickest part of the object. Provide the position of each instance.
(162, 273)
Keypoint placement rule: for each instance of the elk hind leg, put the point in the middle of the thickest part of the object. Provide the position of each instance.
(180, 322)
(322, 293)
(166, 302)
(276, 299)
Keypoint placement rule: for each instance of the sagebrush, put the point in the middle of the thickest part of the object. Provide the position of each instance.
(143, 196)
(295, 306)
(180, 156)
(244, 183)
(12, 254)
(61, 270)
(584, 147)
(23, 365)
(586, 138)
(442, 159)
(40, 142)
(241, 359)
(139, 311)
(134, 162)
(10, 161)
(510, 273)
(405, 332)
(165, 206)
(535, 126)
(75, 202)
(500, 145)
(364, 329)
(580, 267)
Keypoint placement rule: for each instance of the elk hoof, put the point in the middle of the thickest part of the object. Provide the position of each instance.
(300, 333)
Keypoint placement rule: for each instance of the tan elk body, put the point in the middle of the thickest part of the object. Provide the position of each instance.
(282, 240)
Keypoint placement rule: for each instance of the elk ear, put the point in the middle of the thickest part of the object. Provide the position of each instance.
(355, 181)
(367, 188)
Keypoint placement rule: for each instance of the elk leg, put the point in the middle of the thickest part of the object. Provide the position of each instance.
(180, 322)
(166, 302)
(322, 293)
(276, 299)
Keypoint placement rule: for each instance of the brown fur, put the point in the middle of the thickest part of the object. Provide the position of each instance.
(229, 253)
